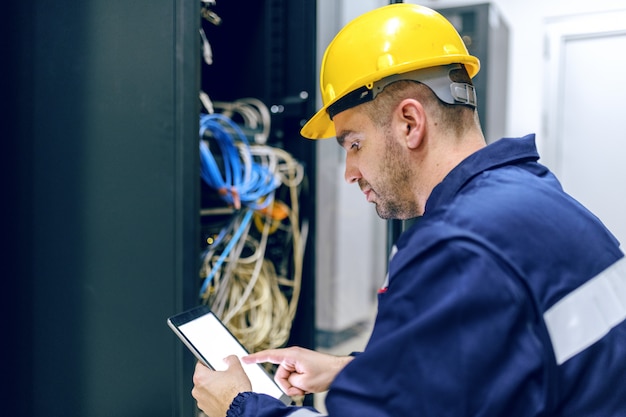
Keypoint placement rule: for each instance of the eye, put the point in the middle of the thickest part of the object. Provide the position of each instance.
(355, 145)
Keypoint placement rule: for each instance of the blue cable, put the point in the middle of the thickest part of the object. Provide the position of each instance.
(250, 183)
(210, 171)
(254, 183)
(229, 247)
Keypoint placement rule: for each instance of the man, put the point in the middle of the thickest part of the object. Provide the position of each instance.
(505, 298)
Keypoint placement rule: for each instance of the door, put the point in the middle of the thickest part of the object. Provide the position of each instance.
(584, 92)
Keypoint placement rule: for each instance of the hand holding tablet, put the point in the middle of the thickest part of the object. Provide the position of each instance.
(210, 341)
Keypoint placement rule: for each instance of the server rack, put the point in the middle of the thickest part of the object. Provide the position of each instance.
(268, 53)
(103, 193)
(103, 171)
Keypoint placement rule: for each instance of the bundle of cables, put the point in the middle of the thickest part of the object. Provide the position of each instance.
(240, 284)
(241, 182)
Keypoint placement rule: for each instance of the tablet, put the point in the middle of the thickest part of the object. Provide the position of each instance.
(211, 341)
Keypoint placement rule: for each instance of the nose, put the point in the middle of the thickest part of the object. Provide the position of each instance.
(352, 173)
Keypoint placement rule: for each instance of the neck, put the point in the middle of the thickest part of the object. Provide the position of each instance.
(442, 156)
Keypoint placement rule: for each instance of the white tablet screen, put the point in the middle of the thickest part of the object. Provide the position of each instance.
(214, 342)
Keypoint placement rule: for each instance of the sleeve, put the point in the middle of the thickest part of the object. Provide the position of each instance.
(455, 336)
(249, 404)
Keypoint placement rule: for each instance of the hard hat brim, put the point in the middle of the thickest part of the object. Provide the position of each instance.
(320, 126)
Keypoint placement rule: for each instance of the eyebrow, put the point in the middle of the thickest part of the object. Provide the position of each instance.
(342, 136)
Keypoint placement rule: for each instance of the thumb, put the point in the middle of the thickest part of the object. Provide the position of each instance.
(232, 361)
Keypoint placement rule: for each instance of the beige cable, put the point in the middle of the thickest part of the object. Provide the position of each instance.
(247, 293)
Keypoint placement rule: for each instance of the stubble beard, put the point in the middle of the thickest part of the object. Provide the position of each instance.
(395, 199)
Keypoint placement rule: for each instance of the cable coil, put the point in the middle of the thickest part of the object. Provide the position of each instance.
(241, 284)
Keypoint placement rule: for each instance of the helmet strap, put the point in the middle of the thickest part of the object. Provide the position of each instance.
(438, 79)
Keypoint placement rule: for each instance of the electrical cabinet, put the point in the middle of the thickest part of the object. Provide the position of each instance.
(486, 35)
(103, 189)
(102, 142)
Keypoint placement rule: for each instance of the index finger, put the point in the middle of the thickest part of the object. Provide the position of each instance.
(274, 356)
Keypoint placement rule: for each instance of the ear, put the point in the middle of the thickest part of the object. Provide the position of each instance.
(412, 122)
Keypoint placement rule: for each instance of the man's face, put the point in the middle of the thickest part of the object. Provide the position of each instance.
(378, 162)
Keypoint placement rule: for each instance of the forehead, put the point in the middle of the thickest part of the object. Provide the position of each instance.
(352, 124)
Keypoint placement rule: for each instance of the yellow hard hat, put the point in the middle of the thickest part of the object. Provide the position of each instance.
(386, 43)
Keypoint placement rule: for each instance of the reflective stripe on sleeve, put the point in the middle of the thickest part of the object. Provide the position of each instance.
(305, 412)
(585, 315)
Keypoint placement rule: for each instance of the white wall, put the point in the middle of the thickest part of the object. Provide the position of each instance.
(526, 21)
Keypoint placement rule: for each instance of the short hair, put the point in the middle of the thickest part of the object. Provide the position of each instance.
(453, 117)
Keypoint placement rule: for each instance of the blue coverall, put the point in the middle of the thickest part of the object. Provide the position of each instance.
(506, 298)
